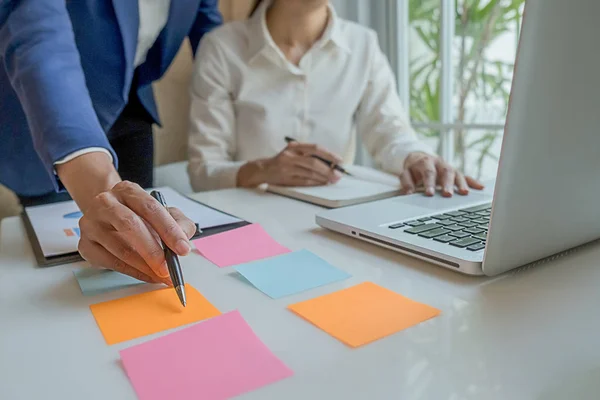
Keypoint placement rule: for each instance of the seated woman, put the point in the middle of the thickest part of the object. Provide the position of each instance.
(295, 69)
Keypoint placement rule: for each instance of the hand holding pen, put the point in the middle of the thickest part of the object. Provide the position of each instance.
(331, 162)
(298, 164)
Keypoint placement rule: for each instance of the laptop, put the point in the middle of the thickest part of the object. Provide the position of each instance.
(546, 198)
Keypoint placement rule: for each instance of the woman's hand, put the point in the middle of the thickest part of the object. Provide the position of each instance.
(294, 166)
(430, 171)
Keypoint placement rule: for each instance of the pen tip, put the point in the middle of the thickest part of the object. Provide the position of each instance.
(181, 294)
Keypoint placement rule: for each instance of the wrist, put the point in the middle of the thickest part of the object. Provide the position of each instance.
(87, 176)
(251, 174)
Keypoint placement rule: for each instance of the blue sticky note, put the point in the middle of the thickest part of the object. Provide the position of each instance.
(290, 273)
(96, 281)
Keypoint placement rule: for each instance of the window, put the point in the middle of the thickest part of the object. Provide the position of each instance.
(460, 61)
(454, 61)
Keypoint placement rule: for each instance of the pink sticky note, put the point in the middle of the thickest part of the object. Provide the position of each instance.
(213, 360)
(238, 246)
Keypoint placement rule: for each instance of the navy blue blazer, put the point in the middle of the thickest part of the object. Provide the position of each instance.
(66, 69)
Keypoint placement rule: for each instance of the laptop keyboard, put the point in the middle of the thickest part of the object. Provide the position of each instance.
(466, 228)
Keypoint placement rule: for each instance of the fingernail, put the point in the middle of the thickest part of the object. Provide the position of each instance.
(163, 271)
(183, 247)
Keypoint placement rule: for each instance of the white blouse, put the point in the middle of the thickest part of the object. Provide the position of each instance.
(246, 97)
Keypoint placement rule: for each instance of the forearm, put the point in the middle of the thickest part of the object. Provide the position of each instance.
(213, 175)
(87, 176)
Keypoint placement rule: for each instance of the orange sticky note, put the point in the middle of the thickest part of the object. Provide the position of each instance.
(143, 314)
(363, 313)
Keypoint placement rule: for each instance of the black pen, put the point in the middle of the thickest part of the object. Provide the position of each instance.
(330, 164)
(172, 259)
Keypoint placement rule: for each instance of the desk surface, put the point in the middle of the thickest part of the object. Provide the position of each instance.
(527, 335)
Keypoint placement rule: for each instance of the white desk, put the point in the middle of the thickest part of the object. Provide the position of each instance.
(533, 335)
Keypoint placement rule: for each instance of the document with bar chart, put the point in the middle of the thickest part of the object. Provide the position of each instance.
(54, 228)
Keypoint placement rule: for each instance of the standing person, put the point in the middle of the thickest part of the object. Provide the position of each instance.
(296, 69)
(76, 112)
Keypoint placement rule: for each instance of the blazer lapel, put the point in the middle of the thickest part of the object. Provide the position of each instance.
(182, 15)
(128, 18)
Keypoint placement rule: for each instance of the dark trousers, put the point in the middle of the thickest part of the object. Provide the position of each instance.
(131, 138)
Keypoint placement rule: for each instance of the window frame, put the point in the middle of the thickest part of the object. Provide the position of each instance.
(398, 47)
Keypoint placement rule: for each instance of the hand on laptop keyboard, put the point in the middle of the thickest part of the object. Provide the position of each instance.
(429, 171)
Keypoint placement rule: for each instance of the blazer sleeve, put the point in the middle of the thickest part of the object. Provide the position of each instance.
(208, 18)
(37, 47)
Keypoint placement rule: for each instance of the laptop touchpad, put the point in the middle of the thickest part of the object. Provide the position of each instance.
(441, 203)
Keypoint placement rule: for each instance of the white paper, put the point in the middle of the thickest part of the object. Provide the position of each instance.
(53, 223)
(364, 182)
(50, 222)
(346, 188)
(373, 175)
(204, 216)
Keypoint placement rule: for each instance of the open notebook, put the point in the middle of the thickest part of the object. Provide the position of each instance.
(365, 184)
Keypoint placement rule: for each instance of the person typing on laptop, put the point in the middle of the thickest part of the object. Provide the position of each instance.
(520, 220)
(296, 69)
